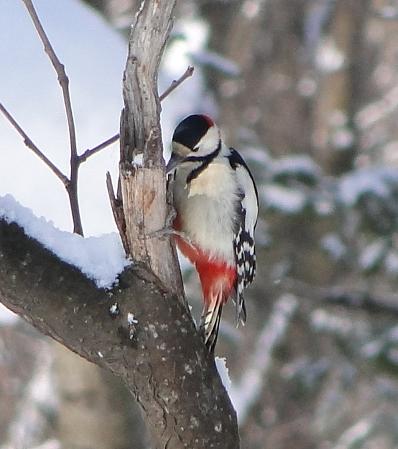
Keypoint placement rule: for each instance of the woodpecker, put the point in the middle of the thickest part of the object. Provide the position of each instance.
(216, 205)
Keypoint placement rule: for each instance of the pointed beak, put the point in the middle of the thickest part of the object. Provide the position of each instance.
(173, 162)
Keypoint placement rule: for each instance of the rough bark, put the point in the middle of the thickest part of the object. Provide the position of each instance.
(161, 358)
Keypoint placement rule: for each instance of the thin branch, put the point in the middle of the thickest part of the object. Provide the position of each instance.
(83, 157)
(64, 83)
(60, 70)
(175, 83)
(28, 142)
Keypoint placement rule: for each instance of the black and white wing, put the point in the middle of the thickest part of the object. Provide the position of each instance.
(244, 246)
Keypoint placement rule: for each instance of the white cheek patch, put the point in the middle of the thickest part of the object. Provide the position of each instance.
(208, 183)
(209, 142)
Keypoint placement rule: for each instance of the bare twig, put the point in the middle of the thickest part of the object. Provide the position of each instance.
(64, 83)
(28, 142)
(175, 83)
(60, 70)
(83, 157)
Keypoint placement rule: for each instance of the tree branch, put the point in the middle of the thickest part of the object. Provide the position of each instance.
(161, 358)
(29, 143)
(88, 153)
(175, 83)
(63, 80)
(59, 69)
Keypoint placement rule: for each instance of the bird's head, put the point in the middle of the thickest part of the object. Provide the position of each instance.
(195, 137)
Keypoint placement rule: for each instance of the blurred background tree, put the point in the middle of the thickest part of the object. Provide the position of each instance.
(308, 91)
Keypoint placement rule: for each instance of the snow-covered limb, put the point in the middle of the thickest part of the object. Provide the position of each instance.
(245, 392)
(99, 258)
(357, 434)
(285, 199)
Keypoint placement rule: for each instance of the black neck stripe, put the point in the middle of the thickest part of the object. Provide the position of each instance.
(205, 161)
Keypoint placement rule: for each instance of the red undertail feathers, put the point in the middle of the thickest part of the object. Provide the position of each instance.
(218, 280)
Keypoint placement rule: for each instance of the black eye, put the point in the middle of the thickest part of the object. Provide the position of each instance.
(195, 149)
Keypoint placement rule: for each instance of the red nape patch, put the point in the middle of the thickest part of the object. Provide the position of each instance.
(215, 275)
(208, 120)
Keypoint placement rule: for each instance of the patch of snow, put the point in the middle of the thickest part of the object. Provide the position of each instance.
(218, 427)
(334, 246)
(49, 444)
(372, 254)
(342, 138)
(356, 435)
(251, 8)
(323, 321)
(391, 262)
(289, 201)
(217, 61)
(366, 180)
(259, 157)
(329, 58)
(221, 364)
(378, 110)
(114, 309)
(388, 12)
(131, 319)
(300, 165)
(138, 160)
(99, 258)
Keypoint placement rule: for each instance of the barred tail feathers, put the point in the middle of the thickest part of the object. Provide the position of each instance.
(210, 321)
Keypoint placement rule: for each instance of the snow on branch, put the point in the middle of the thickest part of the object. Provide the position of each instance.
(99, 258)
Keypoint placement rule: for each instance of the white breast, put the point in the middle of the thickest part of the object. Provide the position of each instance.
(206, 207)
